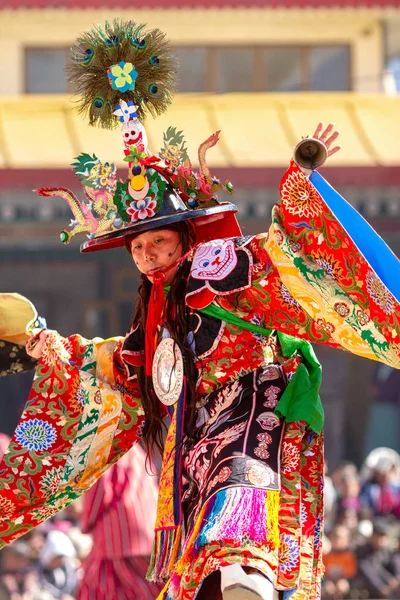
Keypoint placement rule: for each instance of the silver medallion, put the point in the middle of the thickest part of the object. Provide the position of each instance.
(167, 372)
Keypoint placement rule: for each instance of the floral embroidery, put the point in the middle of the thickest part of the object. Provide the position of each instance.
(362, 318)
(35, 434)
(300, 197)
(342, 309)
(54, 350)
(142, 209)
(327, 262)
(222, 476)
(290, 458)
(271, 394)
(284, 296)
(324, 325)
(6, 508)
(379, 293)
(51, 480)
(289, 553)
(262, 449)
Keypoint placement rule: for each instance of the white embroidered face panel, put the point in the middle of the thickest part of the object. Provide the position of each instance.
(214, 260)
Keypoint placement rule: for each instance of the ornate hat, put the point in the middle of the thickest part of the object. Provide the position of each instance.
(123, 72)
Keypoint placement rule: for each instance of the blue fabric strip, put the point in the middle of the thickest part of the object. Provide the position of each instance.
(376, 252)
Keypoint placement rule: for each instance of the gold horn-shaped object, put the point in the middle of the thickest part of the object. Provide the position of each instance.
(310, 153)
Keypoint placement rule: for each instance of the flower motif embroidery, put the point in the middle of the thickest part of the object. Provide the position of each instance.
(288, 553)
(327, 262)
(300, 197)
(48, 511)
(35, 434)
(362, 318)
(142, 209)
(54, 350)
(324, 325)
(122, 77)
(262, 449)
(50, 481)
(271, 395)
(379, 293)
(290, 458)
(284, 296)
(342, 309)
(6, 509)
(222, 476)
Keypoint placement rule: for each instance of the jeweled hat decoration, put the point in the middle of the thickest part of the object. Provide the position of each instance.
(123, 72)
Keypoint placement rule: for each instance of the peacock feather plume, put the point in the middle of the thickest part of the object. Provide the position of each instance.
(122, 60)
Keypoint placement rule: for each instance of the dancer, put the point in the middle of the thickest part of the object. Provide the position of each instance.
(219, 346)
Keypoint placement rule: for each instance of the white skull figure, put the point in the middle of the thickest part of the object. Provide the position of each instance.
(214, 260)
(268, 421)
(134, 134)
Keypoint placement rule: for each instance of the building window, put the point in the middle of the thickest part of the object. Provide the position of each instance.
(282, 70)
(220, 69)
(329, 68)
(224, 69)
(45, 71)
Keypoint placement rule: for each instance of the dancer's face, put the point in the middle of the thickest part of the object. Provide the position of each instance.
(155, 250)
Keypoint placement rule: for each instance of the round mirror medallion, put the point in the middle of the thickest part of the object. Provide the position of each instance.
(167, 371)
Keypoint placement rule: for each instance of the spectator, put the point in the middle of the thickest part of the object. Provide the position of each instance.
(58, 569)
(340, 565)
(379, 565)
(348, 492)
(18, 578)
(381, 490)
(120, 511)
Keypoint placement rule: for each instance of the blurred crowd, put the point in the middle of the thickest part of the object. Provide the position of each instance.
(80, 554)
(362, 529)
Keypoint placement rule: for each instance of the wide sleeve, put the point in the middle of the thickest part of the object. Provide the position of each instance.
(82, 415)
(335, 273)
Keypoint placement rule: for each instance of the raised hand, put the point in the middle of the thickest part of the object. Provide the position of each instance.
(328, 136)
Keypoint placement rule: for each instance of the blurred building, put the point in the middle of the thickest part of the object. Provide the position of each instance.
(264, 72)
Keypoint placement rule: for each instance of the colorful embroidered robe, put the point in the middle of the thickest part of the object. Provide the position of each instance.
(306, 278)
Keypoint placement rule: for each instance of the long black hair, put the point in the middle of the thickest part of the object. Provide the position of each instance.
(177, 321)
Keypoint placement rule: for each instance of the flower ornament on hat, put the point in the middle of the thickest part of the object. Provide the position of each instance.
(123, 72)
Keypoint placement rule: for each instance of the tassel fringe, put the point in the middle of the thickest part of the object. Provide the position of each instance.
(165, 553)
(273, 518)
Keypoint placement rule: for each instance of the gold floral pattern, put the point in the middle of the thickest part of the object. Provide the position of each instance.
(300, 197)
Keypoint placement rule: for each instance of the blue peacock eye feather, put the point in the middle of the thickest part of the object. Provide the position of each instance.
(98, 102)
(87, 56)
(138, 43)
(153, 89)
(113, 40)
(154, 60)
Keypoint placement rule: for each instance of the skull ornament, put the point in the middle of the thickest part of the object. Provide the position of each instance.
(268, 421)
(133, 133)
(214, 260)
